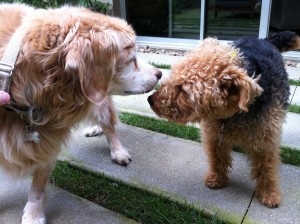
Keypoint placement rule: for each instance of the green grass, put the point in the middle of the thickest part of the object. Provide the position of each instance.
(160, 65)
(140, 205)
(294, 82)
(92, 4)
(288, 155)
(294, 108)
(161, 126)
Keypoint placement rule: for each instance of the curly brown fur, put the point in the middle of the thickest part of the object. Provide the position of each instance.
(239, 94)
(210, 78)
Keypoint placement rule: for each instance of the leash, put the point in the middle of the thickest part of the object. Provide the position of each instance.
(7, 66)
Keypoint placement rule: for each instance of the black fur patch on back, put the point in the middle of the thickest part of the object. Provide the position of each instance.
(263, 58)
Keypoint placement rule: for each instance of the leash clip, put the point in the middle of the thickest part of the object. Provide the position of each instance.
(6, 71)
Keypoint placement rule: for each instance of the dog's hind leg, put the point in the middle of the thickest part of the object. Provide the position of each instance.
(265, 163)
(34, 211)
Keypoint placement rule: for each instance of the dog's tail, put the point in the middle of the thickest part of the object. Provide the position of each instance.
(285, 41)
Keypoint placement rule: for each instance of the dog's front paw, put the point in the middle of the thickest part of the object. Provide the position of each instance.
(270, 199)
(121, 156)
(34, 213)
(93, 131)
(213, 180)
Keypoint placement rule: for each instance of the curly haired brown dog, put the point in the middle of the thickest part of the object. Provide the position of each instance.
(70, 61)
(240, 94)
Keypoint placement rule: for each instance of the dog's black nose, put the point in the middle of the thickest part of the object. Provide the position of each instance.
(150, 101)
(158, 74)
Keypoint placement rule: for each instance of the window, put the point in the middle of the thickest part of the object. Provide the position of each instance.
(165, 18)
(232, 19)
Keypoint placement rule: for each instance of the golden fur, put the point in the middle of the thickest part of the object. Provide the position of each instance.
(71, 60)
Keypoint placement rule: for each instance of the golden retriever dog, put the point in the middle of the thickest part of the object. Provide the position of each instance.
(70, 62)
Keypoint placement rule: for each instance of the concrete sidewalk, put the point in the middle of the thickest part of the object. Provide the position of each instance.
(175, 168)
(61, 208)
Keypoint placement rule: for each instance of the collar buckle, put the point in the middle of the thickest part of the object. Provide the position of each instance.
(6, 71)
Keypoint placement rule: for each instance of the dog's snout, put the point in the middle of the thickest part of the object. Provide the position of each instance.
(158, 74)
(150, 101)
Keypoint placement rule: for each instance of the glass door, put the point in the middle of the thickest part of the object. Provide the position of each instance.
(285, 16)
(232, 19)
(165, 18)
(182, 23)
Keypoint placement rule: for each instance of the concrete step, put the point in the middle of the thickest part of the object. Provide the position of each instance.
(176, 167)
(61, 208)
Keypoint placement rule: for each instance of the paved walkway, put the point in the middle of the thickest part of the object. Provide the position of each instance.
(176, 167)
(61, 208)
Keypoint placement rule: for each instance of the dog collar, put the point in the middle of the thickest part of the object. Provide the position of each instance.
(7, 66)
(9, 58)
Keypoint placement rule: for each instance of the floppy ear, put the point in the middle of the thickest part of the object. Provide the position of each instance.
(239, 87)
(92, 62)
(249, 89)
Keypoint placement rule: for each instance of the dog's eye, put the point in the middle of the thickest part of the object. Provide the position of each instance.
(128, 47)
(133, 59)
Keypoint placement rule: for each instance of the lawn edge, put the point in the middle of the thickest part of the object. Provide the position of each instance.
(220, 216)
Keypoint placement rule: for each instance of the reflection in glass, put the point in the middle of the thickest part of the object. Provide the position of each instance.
(285, 16)
(165, 18)
(232, 19)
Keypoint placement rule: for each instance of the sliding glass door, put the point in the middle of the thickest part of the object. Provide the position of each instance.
(191, 20)
(165, 18)
(232, 19)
